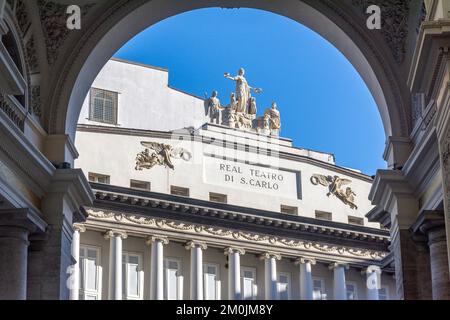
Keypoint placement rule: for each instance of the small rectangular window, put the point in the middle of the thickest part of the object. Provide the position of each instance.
(103, 106)
(383, 293)
(319, 289)
(356, 221)
(249, 287)
(211, 282)
(289, 210)
(132, 277)
(351, 291)
(322, 215)
(90, 273)
(217, 197)
(173, 280)
(140, 185)
(99, 178)
(179, 191)
(284, 286)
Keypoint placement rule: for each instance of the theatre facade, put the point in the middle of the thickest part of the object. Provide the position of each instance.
(203, 198)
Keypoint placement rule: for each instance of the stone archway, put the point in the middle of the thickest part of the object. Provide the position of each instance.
(342, 24)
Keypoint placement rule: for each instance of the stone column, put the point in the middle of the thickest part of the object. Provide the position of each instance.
(196, 248)
(115, 263)
(15, 228)
(433, 226)
(373, 282)
(157, 267)
(234, 272)
(339, 289)
(75, 281)
(50, 257)
(398, 208)
(270, 270)
(306, 281)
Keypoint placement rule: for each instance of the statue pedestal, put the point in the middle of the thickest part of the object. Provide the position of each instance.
(264, 131)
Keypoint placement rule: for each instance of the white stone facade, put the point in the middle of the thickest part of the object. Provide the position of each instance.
(256, 174)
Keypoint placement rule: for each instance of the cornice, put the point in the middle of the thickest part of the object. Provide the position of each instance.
(388, 183)
(74, 185)
(429, 31)
(378, 214)
(423, 163)
(25, 158)
(97, 219)
(119, 198)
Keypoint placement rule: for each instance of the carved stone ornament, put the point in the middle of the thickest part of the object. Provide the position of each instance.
(54, 25)
(334, 184)
(35, 105)
(160, 154)
(195, 229)
(394, 28)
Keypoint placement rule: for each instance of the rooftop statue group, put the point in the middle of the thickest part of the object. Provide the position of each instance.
(241, 111)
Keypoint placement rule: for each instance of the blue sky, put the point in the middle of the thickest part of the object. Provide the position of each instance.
(324, 103)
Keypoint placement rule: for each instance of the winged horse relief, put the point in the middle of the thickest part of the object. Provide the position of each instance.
(335, 184)
(159, 154)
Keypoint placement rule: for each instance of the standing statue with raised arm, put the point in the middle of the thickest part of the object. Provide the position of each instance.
(243, 90)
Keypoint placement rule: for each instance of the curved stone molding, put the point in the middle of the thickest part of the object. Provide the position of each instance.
(162, 224)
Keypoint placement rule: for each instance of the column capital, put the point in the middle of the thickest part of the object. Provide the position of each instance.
(431, 224)
(270, 255)
(370, 270)
(335, 265)
(303, 260)
(231, 250)
(115, 233)
(153, 239)
(79, 227)
(195, 244)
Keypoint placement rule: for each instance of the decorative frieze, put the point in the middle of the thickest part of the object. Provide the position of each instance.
(162, 224)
